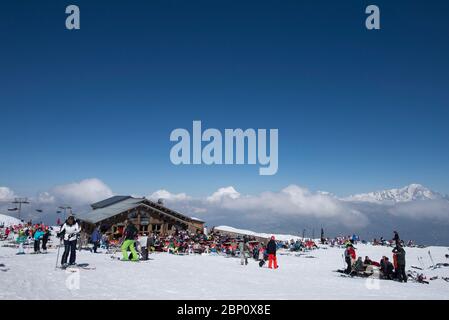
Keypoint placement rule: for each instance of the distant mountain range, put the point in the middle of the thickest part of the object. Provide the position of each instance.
(413, 192)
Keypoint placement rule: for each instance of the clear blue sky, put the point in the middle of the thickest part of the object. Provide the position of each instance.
(356, 110)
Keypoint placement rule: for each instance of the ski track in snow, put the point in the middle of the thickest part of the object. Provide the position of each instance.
(213, 277)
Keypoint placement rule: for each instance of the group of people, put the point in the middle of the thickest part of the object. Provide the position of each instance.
(387, 270)
(393, 242)
(28, 233)
(135, 246)
(301, 245)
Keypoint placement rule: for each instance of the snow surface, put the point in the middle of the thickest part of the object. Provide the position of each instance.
(211, 277)
(280, 237)
(8, 220)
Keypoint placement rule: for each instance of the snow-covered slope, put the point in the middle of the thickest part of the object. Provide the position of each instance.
(169, 276)
(281, 237)
(412, 192)
(8, 220)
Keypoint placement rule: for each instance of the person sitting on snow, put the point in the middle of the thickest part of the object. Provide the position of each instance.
(369, 262)
(386, 269)
(358, 268)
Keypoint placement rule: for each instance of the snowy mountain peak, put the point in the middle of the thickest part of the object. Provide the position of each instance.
(408, 193)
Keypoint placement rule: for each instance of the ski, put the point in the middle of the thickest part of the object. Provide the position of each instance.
(76, 267)
(120, 259)
(431, 259)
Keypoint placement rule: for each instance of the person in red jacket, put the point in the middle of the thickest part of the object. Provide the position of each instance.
(271, 251)
(350, 257)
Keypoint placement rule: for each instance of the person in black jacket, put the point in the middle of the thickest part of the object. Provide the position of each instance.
(396, 238)
(271, 251)
(129, 240)
(400, 254)
(45, 238)
(386, 269)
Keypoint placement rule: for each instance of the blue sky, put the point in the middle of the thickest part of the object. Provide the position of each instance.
(356, 110)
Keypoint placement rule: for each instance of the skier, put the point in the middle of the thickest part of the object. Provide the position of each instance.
(350, 257)
(69, 232)
(129, 235)
(244, 252)
(95, 238)
(38, 234)
(396, 238)
(45, 238)
(400, 270)
(271, 251)
(323, 240)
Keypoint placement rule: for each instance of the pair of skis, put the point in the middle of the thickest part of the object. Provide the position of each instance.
(77, 267)
(120, 259)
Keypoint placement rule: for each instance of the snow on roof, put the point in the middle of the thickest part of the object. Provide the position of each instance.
(281, 237)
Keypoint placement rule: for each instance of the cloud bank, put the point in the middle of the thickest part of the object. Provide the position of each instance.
(6, 194)
(291, 209)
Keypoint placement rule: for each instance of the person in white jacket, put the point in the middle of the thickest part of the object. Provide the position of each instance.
(69, 231)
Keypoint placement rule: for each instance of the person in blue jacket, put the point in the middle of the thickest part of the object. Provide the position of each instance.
(37, 240)
(96, 238)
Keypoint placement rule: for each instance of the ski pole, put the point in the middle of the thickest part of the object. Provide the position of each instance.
(421, 263)
(57, 256)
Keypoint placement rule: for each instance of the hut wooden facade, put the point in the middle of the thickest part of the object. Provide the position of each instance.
(148, 216)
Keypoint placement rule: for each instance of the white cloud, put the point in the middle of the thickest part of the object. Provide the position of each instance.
(6, 193)
(222, 194)
(164, 194)
(292, 202)
(80, 193)
(291, 207)
(46, 198)
(422, 209)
